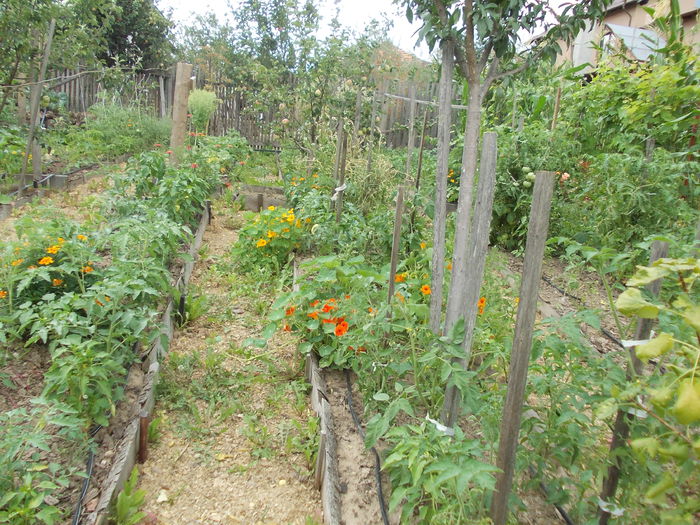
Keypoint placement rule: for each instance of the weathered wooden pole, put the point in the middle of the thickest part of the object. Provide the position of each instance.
(440, 214)
(32, 145)
(183, 73)
(468, 284)
(411, 129)
(522, 343)
(21, 101)
(395, 245)
(621, 427)
(341, 178)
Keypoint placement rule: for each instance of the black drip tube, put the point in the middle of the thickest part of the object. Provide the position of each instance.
(377, 461)
(77, 513)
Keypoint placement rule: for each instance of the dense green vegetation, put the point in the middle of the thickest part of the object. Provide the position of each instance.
(86, 293)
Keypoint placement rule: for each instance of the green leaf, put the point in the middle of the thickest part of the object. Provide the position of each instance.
(646, 275)
(687, 407)
(692, 317)
(380, 396)
(269, 330)
(376, 428)
(648, 445)
(630, 302)
(654, 348)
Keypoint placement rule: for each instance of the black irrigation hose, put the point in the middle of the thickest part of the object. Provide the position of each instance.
(605, 332)
(377, 461)
(544, 490)
(86, 482)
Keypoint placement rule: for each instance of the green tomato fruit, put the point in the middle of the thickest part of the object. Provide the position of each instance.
(530, 176)
(527, 169)
(527, 184)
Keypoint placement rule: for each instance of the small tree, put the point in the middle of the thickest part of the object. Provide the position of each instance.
(488, 43)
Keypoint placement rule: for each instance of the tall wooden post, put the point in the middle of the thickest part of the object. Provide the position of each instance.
(161, 95)
(21, 101)
(522, 343)
(440, 214)
(182, 92)
(341, 177)
(621, 427)
(32, 145)
(395, 245)
(411, 129)
(469, 284)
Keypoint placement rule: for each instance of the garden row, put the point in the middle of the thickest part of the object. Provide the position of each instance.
(86, 297)
(341, 312)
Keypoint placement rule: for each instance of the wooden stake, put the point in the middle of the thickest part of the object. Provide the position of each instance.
(395, 245)
(21, 101)
(341, 179)
(34, 109)
(144, 422)
(440, 214)
(411, 129)
(557, 103)
(475, 260)
(621, 427)
(182, 92)
(161, 93)
(522, 343)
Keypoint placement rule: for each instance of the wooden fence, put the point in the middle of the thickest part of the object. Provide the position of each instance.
(154, 92)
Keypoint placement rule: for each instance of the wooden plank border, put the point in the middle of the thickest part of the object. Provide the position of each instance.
(128, 448)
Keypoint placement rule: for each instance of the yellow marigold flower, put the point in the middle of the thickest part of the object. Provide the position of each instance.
(285, 230)
(261, 243)
(400, 277)
(307, 220)
(53, 249)
(3, 294)
(61, 240)
(271, 208)
(298, 224)
(423, 245)
(57, 282)
(315, 175)
(81, 237)
(17, 262)
(87, 269)
(271, 234)
(46, 260)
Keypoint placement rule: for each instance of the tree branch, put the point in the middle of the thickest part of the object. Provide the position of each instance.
(472, 71)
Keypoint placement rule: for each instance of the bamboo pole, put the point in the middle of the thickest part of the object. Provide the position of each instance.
(522, 343)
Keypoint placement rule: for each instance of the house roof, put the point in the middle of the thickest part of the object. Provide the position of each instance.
(624, 4)
(642, 43)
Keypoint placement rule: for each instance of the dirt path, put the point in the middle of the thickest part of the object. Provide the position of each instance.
(237, 437)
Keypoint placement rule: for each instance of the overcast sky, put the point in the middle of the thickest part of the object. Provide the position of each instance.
(354, 14)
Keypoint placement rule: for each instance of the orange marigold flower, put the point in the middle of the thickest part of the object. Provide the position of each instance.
(313, 315)
(400, 296)
(481, 304)
(53, 249)
(99, 302)
(329, 321)
(370, 310)
(17, 262)
(425, 290)
(328, 308)
(81, 237)
(87, 269)
(287, 328)
(57, 282)
(3, 294)
(347, 297)
(400, 277)
(46, 260)
(315, 303)
(290, 311)
(341, 329)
